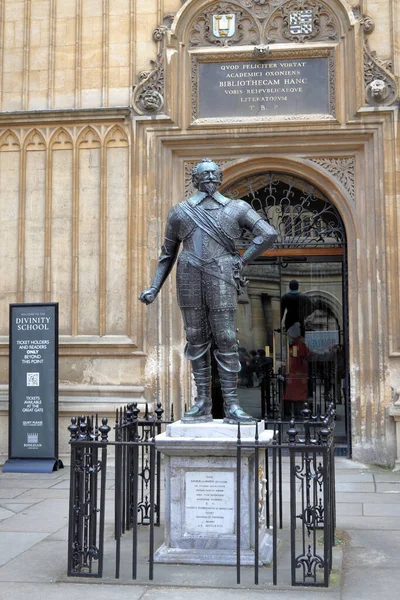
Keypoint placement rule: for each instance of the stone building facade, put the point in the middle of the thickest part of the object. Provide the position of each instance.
(101, 119)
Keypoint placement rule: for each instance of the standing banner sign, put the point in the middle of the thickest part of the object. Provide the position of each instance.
(33, 388)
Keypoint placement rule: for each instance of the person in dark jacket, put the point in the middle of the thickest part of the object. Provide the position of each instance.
(298, 307)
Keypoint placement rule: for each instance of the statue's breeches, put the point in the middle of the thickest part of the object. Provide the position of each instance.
(210, 287)
(208, 306)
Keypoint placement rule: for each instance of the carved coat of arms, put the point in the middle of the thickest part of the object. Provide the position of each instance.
(224, 25)
(301, 22)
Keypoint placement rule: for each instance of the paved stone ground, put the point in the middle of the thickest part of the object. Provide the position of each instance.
(33, 547)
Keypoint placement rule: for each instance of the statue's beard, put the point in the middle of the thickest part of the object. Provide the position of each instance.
(209, 187)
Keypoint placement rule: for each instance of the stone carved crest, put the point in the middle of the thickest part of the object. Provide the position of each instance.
(302, 21)
(242, 28)
(264, 21)
(224, 26)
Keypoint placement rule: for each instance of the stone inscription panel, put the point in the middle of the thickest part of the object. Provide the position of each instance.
(210, 502)
(263, 88)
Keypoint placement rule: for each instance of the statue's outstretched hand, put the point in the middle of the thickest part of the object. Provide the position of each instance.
(148, 296)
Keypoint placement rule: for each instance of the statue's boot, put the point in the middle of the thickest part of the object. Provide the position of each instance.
(201, 410)
(228, 368)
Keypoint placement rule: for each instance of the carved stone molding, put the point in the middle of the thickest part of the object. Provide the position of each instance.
(188, 167)
(342, 169)
(380, 84)
(260, 8)
(161, 31)
(9, 142)
(148, 96)
(35, 141)
(267, 119)
(265, 21)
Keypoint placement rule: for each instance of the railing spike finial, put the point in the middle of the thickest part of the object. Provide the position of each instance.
(104, 429)
(135, 411)
(83, 429)
(306, 412)
(324, 432)
(159, 411)
(73, 428)
(128, 412)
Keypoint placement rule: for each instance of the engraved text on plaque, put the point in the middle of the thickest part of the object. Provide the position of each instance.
(210, 502)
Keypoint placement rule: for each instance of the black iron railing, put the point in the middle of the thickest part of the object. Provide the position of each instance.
(305, 448)
(323, 391)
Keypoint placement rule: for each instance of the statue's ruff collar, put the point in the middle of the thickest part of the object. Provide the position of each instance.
(199, 196)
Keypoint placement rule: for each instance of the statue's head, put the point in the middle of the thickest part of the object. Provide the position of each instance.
(206, 176)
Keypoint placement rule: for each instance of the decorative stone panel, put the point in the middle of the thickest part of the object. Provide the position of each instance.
(342, 169)
(266, 21)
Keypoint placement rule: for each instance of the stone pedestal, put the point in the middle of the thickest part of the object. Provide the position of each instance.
(200, 494)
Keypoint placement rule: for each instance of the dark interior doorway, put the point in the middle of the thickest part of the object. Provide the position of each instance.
(282, 366)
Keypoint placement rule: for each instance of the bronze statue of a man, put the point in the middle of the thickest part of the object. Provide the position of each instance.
(209, 278)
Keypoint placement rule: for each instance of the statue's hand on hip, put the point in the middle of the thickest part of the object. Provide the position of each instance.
(148, 296)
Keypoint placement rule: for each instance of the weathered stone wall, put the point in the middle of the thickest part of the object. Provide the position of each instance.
(85, 185)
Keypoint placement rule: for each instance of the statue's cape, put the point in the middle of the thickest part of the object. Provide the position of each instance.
(207, 223)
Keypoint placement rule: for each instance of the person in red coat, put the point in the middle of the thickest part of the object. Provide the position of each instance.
(296, 381)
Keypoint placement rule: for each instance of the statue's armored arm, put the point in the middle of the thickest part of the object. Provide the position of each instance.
(167, 258)
(264, 237)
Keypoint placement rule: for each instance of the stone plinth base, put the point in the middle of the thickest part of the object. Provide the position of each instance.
(200, 494)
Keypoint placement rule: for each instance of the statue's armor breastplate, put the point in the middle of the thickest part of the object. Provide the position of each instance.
(202, 245)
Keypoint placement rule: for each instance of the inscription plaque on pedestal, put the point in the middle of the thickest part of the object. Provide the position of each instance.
(210, 502)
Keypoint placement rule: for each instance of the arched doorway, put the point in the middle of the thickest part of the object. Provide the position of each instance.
(284, 365)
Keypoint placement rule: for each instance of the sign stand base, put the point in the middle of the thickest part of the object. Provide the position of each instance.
(32, 465)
